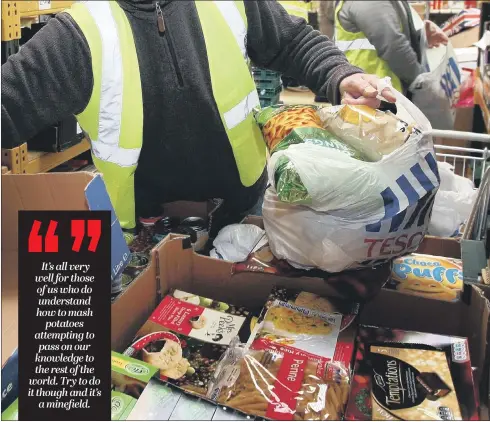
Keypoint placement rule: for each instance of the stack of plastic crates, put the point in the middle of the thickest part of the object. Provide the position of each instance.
(268, 86)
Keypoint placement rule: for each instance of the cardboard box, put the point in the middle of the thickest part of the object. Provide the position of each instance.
(454, 351)
(175, 265)
(465, 38)
(49, 191)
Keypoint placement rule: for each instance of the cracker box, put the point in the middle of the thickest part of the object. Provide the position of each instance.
(422, 358)
(428, 276)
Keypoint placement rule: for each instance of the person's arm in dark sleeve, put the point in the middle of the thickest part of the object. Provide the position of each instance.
(48, 80)
(382, 29)
(287, 44)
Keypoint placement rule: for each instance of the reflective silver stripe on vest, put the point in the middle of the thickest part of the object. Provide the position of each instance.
(106, 146)
(234, 19)
(241, 111)
(361, 44)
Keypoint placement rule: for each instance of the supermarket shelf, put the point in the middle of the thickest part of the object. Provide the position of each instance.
(36, 8)
(19, 160)
(41, 162)
(16, 13)
(480, 101)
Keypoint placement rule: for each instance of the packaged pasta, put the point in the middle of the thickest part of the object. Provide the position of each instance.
(185, 337)
(283, 126)
(281, 385)
(324, 327)
(429, 276)
(372, 132)
(301, 354)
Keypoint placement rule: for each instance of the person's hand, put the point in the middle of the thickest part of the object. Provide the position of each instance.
(435, 35)
(361, 89)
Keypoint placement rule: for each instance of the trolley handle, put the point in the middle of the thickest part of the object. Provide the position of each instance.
(454, 134)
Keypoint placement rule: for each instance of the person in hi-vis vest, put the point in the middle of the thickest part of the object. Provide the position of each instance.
(164, 92)
(380, 37)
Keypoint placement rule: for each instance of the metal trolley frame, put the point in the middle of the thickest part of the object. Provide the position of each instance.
(473, 163)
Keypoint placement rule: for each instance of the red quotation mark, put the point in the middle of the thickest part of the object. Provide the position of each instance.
(35, 242)
(94, 229)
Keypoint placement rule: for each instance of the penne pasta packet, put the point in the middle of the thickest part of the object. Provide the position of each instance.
(280, 384)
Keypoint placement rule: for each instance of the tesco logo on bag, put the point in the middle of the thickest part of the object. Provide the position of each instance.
(451, 81)
(407, 210)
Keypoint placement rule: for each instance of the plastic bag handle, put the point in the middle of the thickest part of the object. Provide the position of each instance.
(418, 117)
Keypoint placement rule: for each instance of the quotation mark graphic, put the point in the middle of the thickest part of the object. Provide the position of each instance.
(94, 229)
(35, 241)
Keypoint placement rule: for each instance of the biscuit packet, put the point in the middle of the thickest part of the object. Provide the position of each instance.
(411, 384)
(428, 276)
(277, 384)
(283, 126)
(185, 340)
(426, 353)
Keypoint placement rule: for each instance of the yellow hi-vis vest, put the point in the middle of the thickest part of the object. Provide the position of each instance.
(113, 118)
(296, 8)
(361, 53)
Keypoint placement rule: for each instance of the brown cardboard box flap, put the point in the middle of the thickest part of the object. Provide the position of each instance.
(175, 265)
(36, 192)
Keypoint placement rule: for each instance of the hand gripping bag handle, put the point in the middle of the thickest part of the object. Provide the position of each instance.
(405, 104)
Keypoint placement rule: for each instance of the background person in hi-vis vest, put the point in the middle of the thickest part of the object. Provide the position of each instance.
(380, 37)
(164, 92)
(299, 9)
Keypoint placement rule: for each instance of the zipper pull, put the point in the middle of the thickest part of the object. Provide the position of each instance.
(161, 23)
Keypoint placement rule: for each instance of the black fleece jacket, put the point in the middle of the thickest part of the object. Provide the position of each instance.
(186, 154)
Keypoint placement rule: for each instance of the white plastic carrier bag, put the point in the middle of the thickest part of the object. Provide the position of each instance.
(361, 214)
(436, 91)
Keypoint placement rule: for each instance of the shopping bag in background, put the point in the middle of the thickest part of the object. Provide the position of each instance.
(436, 91)
(453, 203)
(360, 214)
(468, 18)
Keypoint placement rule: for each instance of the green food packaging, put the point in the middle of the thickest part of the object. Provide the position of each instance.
(289, 186)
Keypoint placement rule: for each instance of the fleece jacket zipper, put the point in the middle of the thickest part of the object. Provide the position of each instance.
(163, 30)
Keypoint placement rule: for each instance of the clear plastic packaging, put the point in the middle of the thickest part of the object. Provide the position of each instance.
(372, 132)
(359, 214)
(278, 385)
(287, 126)
(235, 242)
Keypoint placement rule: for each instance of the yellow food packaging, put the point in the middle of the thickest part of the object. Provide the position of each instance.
(412, 385)
(428, 276)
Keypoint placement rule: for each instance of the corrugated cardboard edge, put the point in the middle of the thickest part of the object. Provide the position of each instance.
(36, 192)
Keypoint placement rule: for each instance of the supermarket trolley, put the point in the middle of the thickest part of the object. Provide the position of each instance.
(474, 163)
(467, 162)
